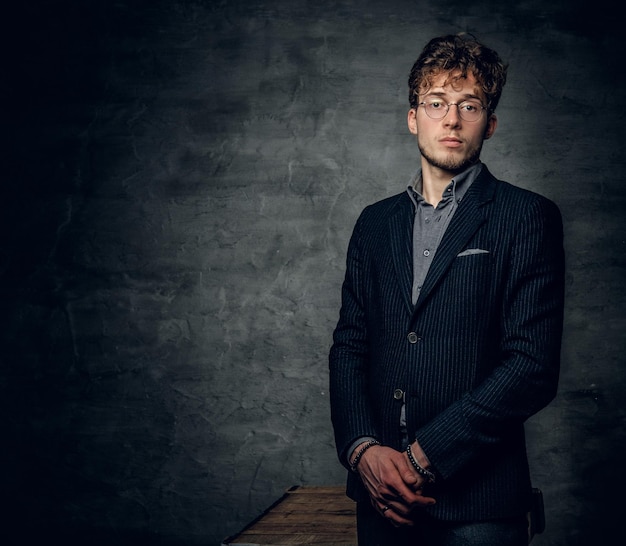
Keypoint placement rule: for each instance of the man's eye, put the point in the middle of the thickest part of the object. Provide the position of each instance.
(469, 107)
(436, 105)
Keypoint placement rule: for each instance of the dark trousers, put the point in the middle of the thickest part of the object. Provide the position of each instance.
(374, 530)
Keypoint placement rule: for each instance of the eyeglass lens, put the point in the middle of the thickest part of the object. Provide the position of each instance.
(468, 110)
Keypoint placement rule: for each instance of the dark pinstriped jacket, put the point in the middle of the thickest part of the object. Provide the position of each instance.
(475, 357)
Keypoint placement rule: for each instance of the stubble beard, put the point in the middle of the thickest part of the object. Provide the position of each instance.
(450, 162)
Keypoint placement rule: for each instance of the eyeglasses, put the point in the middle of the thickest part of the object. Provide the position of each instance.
(469, 110)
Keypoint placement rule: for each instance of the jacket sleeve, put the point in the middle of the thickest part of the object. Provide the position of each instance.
(351, 412)
(525, 378)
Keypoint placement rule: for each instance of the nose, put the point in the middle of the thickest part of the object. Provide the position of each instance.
(452, 116)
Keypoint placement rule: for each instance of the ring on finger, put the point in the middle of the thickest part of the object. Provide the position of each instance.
(385, 508)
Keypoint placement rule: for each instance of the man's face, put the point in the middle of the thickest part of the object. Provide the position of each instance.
(451, 143)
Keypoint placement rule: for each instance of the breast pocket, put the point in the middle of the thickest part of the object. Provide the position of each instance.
(468, 280)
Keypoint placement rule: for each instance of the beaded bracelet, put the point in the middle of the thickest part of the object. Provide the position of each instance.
(360, 453)
(426, 474)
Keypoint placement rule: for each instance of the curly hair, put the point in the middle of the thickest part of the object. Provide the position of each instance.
(458, 55)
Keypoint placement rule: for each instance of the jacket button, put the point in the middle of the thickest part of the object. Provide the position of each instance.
(398, 394)
(413, 337)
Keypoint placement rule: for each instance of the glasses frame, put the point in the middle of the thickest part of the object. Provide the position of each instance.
(458, 105)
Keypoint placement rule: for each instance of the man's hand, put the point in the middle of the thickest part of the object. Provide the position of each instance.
(395, 488)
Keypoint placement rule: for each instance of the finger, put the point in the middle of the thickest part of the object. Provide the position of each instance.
(411, 493)
(390, 512)
(398, 507)
(423, 501)
(409, 475)
(405, 494)
(404, 500)
(402, 509)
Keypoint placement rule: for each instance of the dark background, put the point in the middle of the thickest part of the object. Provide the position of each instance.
(179, 182)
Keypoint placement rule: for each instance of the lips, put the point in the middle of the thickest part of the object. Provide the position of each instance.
(451, 142)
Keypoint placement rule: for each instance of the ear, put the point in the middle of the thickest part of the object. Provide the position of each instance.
(412, 121)
(492, 123)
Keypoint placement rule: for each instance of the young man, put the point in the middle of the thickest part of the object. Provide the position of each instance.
(450, 326)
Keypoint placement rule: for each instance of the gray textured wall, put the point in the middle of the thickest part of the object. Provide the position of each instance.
(180, 185)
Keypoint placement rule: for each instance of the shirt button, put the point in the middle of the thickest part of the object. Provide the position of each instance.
(427, 253)
(413, 338)
(427, 220)
(398, 394)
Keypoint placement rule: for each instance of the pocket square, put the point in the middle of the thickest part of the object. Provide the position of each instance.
(472, 251)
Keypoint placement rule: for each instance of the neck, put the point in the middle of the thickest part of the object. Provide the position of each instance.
(435, 180)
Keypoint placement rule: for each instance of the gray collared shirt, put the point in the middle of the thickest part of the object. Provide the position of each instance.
(431, 222)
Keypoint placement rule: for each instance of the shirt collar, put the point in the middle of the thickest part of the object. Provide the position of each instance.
(457, 187)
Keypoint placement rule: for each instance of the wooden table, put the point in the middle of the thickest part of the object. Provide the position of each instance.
(303, 515)
(325, 516)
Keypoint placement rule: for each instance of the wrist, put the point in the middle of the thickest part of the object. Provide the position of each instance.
(360, 451)
(419, 455)
(423, 471)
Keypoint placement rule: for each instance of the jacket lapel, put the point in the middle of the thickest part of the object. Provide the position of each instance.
(466, 220)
